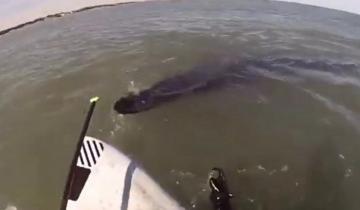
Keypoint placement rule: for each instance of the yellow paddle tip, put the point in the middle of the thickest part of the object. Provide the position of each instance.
(94, 99)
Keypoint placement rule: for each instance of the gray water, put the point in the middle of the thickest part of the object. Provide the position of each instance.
(285, 141)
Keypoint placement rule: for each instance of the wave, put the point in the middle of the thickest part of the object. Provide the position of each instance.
(352, 117)
(295, 70)
(330, 78)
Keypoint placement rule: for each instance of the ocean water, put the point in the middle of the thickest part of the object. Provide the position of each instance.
(287, 138)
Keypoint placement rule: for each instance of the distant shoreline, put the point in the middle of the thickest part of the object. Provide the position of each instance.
(60, 14)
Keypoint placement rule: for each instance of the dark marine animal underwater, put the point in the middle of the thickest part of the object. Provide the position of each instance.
(217, 74)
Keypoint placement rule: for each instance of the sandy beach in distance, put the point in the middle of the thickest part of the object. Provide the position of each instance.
(21, 11)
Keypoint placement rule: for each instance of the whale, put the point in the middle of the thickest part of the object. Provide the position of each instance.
(217, 74)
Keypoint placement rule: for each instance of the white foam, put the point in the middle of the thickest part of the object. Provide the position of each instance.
(10, 207)
(167, 60)
(239, 171)
(272, 172)
(275, 75)
(284, 168)
(260, 167)
(349, 115)
(329, 77)
(348, 173)
(342, 156)
(132, 88)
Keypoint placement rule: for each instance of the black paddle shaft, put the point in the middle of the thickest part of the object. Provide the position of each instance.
(70, 177)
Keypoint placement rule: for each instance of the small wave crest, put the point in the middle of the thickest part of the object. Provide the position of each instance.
(10, 207)
(296, 69)
(265, 72)
(330, 77)
(132, 88)
(352, 117)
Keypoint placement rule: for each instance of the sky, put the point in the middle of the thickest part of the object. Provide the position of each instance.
(15, 12)
(352, 6)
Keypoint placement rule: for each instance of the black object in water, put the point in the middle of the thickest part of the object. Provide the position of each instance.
(200, 78)
(219, 195)
(216, 74)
